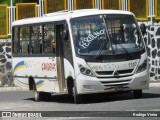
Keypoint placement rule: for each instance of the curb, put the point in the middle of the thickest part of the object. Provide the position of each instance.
(5, 89)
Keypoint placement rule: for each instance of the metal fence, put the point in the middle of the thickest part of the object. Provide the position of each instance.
(26, 10)
(84, 4)
(143, 9)
(54, 5)
(109, 4)
(139, 8)
(157, 9)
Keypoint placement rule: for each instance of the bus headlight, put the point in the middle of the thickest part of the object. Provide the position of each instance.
(85, 71)
(142, 67)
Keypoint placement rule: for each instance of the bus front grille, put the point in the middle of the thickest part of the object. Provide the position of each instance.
(111, 72)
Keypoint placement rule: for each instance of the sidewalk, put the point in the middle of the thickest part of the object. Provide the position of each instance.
(4, 89)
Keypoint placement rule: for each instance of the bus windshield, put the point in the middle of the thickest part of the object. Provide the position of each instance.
(111, 34)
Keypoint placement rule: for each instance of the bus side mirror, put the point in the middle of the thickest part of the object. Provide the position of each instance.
(65, 35)
(143, 28)
(65, 32)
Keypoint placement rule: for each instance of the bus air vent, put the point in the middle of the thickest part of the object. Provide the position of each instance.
(116, 83)
(111, 72)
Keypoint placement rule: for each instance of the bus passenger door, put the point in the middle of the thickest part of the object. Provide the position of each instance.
(64, 56)
(59, 56)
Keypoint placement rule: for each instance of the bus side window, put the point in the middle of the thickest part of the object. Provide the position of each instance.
(49, 39)
(36, 39)
(67, 45)
(24, 40)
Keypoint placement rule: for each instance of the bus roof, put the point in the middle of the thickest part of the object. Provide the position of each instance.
(64, 15)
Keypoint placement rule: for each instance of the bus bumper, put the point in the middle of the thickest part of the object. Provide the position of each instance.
(88, 84)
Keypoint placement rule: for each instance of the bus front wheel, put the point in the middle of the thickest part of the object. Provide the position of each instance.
(77, 98)
(138, 93)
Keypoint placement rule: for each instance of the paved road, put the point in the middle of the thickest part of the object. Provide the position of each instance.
(23, 101)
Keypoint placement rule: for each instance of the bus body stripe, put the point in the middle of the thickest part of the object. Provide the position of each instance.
(39, 84)
(19, 65)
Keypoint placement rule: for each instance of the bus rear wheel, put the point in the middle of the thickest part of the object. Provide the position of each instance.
(38, 96)
(138, 93)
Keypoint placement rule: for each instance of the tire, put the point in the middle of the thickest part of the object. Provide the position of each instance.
(38, 96)
(77, 98)
(70, 87)
(46, 96)
(138, 93)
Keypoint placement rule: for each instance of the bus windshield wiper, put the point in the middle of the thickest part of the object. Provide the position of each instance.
(127, 53)
(98, 56)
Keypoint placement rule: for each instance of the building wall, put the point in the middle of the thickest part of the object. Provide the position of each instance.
(151, 37)
(5, 63)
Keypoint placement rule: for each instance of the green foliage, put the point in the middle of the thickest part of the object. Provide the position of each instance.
(17, 1)
(5, 2)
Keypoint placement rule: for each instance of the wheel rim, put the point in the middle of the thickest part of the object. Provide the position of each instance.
(74, 93)
(35, 94)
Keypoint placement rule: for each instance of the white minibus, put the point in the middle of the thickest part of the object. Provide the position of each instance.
(80, 52)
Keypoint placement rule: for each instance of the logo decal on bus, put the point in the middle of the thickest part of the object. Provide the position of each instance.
(39, 83)
(19, 65)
